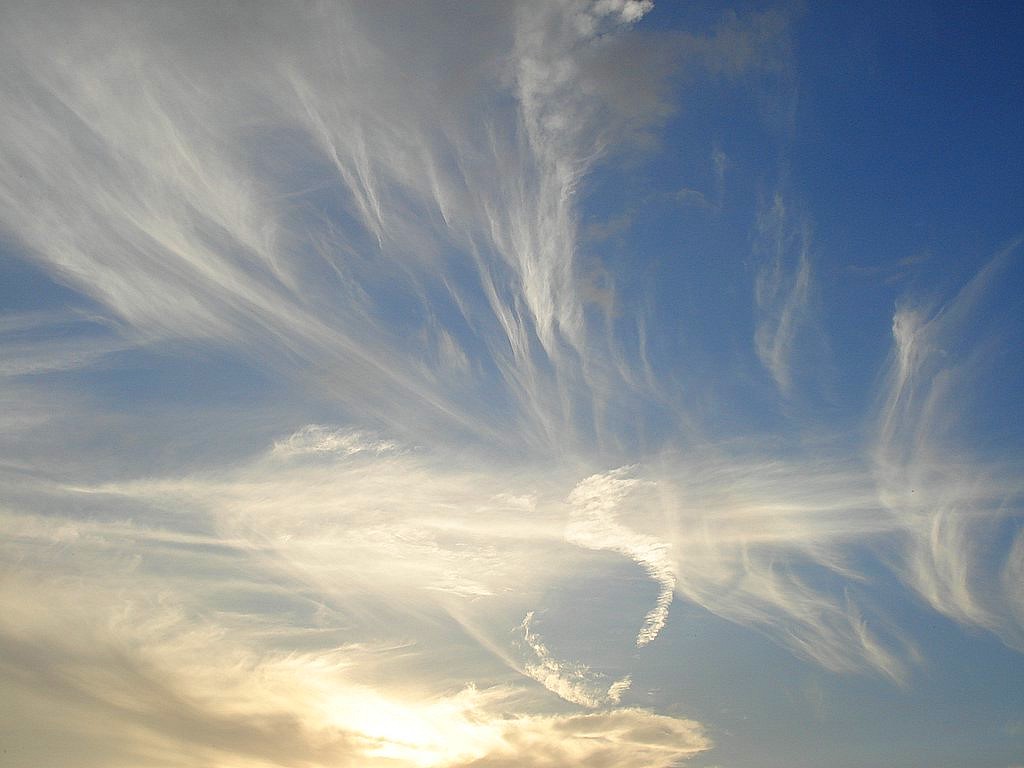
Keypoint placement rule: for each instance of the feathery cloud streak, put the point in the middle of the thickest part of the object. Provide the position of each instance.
(950, 502)
(287, 188)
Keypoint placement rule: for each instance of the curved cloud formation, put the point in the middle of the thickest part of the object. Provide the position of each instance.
(593, 525)
(576, 682)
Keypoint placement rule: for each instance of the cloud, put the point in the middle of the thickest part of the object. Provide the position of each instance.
(742, 540)
(620, 737)
(213, 690)
(402, 533)
(593, 525)
(84, 662)
(37, 342)
(398, 533)
(574, 682)
(318, 439)
(381, 531)
(747, 44)
(782, 291)
(279, 180)
(892, 272)
(376, 208)
(950, 502)
(760, 542)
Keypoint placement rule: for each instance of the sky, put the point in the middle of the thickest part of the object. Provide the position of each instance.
(477, 385)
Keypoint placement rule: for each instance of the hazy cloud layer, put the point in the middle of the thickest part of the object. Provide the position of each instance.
(183, 692)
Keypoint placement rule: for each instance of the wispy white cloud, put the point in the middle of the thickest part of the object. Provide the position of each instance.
(39, 342)
(413, 534)
(410, 534)
(318, 439)
(950, 502)
(782, 290)
(136, 169)
(750, 539)
(573, 681)
(741, 539)
(594, 525)
(282, 189)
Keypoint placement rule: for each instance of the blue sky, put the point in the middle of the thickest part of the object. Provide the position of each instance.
(552, 383)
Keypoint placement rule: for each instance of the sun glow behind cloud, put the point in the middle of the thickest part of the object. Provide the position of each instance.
(375, 213)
